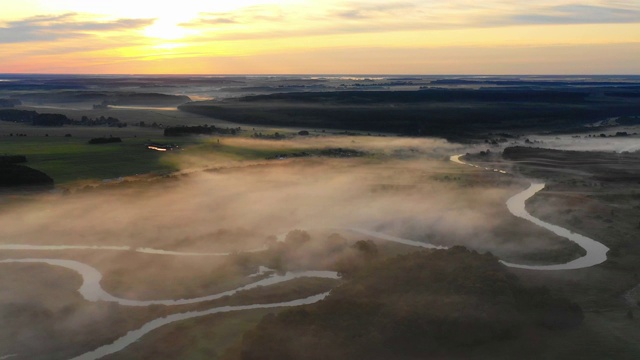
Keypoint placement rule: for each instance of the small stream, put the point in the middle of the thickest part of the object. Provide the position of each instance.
(135, 335)
(92, 291)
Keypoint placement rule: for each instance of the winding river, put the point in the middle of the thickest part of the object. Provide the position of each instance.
(596, 251)
(92, 291)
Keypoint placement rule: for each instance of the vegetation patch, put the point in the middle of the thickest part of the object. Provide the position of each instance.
(413, 306)
(199, 130)
(19, 176)
(68, 159)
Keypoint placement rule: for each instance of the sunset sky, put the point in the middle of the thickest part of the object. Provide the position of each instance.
(320, 37)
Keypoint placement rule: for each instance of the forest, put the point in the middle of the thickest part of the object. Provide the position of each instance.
(454, 114)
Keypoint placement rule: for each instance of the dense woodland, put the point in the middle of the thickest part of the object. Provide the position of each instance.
(444, 302)
(105, 97)
(435, 112)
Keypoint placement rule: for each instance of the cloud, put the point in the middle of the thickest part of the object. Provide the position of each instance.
(249, 15)
(65, 26)
(579, 14)
(361, 11)
(214, 20)
(357, 17)
(315, 18)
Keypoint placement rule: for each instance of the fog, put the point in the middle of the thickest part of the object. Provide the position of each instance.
(398, 189)
(269, 197)
(401, 187)
(579, 142)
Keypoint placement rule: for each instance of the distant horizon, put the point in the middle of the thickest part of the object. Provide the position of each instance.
(324, 74)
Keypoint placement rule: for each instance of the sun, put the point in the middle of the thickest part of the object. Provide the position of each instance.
(166, 29)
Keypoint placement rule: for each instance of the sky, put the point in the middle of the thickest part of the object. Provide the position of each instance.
(320, 37)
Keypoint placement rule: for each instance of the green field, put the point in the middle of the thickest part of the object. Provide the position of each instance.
(71, 159)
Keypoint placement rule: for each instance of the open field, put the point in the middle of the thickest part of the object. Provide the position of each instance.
(68, 159)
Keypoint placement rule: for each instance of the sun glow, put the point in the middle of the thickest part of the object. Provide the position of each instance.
(166, 29)
(284, 36)
(169, 46)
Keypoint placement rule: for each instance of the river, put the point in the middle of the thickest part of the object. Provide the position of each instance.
(596, 251)
(135, 335)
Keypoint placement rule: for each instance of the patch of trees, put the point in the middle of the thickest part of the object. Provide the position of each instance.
(299, 250)
(100, 121)
(199, 130)
(20, 116)
(106, 98)
(33, 118)
(424, 304)
(50, 120)
(36, 119)
(105, 140)
(290, 155)
(330, 152)
(14, 176)
(274, 136)
(153, 125)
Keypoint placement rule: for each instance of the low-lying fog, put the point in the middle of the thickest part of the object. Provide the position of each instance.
(270, 198)
(400, 194)
(581, 142)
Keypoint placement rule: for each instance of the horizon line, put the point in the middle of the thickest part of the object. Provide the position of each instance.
(312, 74)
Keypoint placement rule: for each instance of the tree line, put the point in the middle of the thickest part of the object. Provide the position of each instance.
(37, 119)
